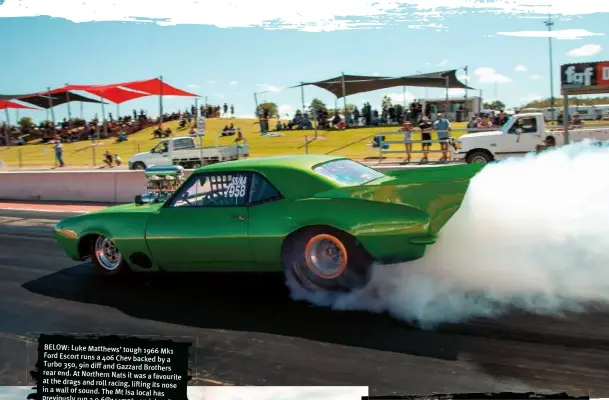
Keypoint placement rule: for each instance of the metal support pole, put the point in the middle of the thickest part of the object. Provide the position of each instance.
(447, 100)
(51, 107)
(302, 97)
(197, 129)
(467, 109)
(7, 129)
(161, 102)
(565, 117)
(104, 116)
(344, 96)
(549, 23)
(68, 104)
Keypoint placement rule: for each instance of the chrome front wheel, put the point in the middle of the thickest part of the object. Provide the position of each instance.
(107, 255)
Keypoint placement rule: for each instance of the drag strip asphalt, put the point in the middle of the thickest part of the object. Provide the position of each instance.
(246, 331)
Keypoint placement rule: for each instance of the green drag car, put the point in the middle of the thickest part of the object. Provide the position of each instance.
(323, 220)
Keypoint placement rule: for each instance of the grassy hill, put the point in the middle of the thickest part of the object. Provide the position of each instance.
(85, 153)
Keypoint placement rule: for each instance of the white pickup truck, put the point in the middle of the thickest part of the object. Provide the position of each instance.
(519, 136)
(185, 152)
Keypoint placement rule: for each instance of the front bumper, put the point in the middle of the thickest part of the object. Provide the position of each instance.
(460, 155)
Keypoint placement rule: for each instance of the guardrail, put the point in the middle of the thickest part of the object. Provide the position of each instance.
(384, 145)
(82, 186)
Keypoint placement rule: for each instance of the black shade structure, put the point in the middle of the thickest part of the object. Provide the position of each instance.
(46, 101)
(347, 85)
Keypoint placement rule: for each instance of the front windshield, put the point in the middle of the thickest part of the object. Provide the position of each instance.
(160, 147)
(348, 172)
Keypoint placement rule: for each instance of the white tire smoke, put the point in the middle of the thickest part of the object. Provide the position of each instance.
(532, 233)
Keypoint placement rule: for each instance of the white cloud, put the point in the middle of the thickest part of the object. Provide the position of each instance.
(265, 87)
(376, 74)
(489, 75)
(398, 98)
(442, 63)
(436, 27)
(535, 77)
(586, 50)
(463, 78)
(211, 82)
(194, 86)
(520, 68)
(565, 34)
(233, 83)
(273, 14)
(285, 109)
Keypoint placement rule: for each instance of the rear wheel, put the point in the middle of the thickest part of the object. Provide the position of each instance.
(325, 259)
(139, 166)
(107, 259)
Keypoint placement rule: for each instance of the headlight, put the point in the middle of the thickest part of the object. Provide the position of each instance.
(458, 144)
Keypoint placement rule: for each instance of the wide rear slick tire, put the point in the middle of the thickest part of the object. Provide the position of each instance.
(325, 259)
(107, 259)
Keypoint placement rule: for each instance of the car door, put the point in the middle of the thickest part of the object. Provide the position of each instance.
(204, 226)
(159, 154)
(521, 138)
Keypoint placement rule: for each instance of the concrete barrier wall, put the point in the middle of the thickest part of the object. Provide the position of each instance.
(81, 186)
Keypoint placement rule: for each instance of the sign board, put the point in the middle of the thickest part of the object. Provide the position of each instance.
(201, 125)
(585, 76)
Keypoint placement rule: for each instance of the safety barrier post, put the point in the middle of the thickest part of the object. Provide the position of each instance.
(19, 157)
(306, 145)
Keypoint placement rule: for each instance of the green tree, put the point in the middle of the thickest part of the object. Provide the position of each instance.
(270, 107)
(26, 122)
(497, 105)
(317, 106)
(574, 101)
(386, 104)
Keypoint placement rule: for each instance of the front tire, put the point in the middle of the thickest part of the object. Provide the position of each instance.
(479, 157)
(107, 259)
(325, 259)
(139, 166)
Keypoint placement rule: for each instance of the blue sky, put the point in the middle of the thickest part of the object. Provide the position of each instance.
(229, 65)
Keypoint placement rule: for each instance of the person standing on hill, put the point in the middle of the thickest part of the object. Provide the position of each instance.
(58, 147)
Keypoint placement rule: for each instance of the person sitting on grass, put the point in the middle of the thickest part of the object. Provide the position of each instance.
(108, 158)
(548, 143)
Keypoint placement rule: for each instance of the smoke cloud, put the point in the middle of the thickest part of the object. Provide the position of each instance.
(532, 233)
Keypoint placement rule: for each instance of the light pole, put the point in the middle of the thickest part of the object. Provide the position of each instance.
(549, 23)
